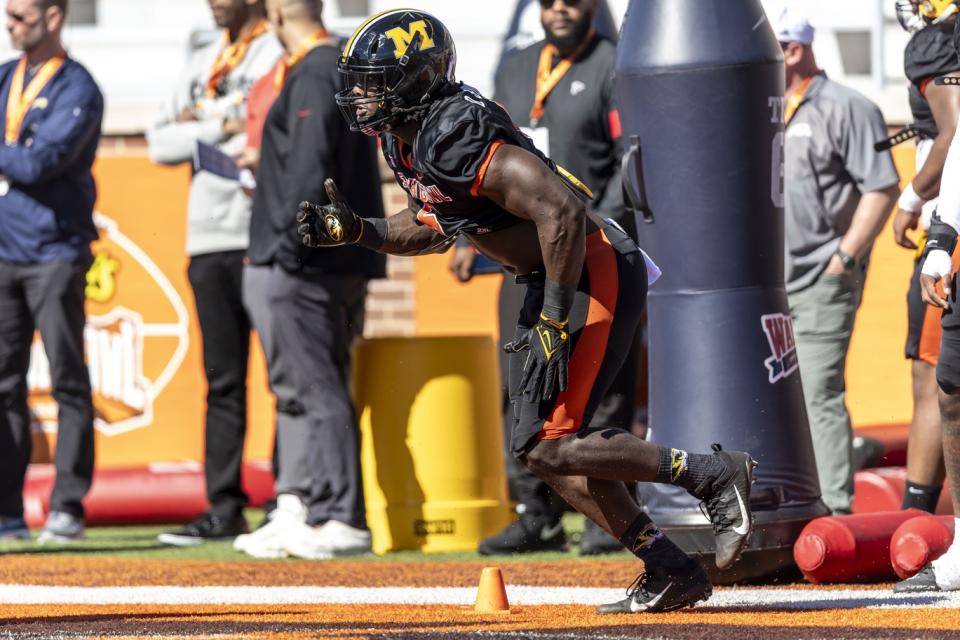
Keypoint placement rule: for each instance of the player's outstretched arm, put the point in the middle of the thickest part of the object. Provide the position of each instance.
(336, 224)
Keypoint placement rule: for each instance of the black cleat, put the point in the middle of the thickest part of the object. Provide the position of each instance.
(207, 527)
(924, 580)
(664, 587)
(527, 534)
(726, 503)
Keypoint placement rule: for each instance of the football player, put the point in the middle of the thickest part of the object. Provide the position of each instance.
(929, 53)
(943, 574)
(467, 169)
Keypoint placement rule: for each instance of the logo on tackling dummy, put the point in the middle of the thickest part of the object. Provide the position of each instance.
(779, 330)
(334, 228)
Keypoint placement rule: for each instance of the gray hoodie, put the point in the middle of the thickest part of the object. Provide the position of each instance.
(218, 213)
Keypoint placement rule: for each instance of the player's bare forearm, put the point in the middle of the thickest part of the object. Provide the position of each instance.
(407, 237)
(868, 219)
(522, 184)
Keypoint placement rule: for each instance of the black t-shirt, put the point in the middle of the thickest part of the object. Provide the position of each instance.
(929, 53)
(445, 167)
(580, 126)
(305, 141)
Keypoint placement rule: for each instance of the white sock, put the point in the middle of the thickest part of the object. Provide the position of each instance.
(946, 568)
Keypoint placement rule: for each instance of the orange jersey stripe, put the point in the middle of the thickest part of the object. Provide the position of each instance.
(567, 414)
(475, 187)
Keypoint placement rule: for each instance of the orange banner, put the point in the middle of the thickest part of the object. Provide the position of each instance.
(142, 340)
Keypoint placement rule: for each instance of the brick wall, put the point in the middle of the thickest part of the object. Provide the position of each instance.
(390, 303)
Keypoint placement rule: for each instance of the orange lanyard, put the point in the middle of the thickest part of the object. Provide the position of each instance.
(232, 55)
(284, 69)
(548, 76)
(794, 100)
(20, 101)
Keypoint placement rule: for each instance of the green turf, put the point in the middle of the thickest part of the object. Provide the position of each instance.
(141, 542)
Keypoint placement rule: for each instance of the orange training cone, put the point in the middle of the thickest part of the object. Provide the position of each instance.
(492, 594)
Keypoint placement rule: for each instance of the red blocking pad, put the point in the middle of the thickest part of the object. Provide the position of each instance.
(853, 548)
(158, 493)
(919, 541)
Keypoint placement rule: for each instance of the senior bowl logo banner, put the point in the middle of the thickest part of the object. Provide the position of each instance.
(136, 337)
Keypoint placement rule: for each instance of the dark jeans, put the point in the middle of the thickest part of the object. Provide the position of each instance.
(217, 280)
(49, 298)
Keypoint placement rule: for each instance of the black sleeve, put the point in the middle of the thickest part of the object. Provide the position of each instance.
(458, 147)
(315, 130)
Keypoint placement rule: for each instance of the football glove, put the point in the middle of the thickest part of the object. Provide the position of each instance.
(329, 225)
(545, 370)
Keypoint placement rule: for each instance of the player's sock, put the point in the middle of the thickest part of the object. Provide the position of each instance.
(946, 568)
(692, 471)
(920, 496)
(644, 538)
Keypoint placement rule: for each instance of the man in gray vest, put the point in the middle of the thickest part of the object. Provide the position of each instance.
(838, 192)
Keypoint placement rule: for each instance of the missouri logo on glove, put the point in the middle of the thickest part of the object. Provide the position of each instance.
(329, 225)
(548, 342)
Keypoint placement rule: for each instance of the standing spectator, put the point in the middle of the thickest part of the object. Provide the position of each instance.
(53, 111)
(838, 194)
(929, 53)
(561, 89)
(308, 305)
(208, 106)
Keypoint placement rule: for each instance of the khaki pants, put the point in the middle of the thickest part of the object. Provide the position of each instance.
(823, 316)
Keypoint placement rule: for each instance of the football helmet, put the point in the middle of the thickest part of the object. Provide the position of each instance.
(914, 15)
(392, 67)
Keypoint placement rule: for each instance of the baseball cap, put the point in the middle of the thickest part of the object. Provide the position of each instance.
(793, 26)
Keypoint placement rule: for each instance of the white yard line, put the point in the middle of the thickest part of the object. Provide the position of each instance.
(742, 599)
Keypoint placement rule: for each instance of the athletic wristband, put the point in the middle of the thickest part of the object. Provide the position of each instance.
(557, 300)
(937, 264)
(373, 233)
(910, 201)
(941, 236)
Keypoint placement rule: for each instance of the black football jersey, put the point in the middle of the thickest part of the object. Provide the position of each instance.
(928, 54)
(445, 167)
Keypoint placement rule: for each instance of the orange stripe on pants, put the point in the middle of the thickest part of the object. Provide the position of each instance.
(601, 265)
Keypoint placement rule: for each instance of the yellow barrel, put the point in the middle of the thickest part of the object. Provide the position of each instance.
(433, 469)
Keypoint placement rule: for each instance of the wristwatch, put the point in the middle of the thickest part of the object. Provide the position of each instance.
(847, 260)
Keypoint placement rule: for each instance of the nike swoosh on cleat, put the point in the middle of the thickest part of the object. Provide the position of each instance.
(636, 606)
(549, 533)
(744, 527)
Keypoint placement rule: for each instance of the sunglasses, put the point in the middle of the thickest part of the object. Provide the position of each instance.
(547, 4)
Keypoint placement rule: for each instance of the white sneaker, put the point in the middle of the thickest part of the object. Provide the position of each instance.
(268, 540)
(330, 540)
(62, 528)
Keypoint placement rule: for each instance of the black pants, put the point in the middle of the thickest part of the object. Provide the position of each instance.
(49, 298)
(217, 281)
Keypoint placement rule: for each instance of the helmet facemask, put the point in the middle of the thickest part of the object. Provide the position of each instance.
(380, 94)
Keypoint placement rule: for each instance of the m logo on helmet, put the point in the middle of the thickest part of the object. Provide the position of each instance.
(403, 37)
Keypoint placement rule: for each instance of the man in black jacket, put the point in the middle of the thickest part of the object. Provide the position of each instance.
(308, 305)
